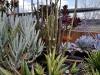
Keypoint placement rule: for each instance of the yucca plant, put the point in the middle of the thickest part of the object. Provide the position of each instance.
(55, 64)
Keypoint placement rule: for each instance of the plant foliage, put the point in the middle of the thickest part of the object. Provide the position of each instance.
(55, 63)
(18, 41)
(92, 64)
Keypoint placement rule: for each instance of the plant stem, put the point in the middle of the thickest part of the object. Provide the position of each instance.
(74, 16)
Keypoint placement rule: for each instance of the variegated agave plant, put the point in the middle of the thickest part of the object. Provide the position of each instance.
(18, 41)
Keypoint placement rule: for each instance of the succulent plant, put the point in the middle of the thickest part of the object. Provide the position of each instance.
(85, 42)
(18, 41)
(38, 69)
(55, 63)
(24, 70)
(92, 65)
(98, 36)
(74, 69)
(97, 42)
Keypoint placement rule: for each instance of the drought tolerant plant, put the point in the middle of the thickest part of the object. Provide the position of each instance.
(85, 42)
(4, 42)
(50, 19)
(55, 66)
(55, 63)
(36, 69)
(4, 71)
(18, 40)
(74, 69)
(39, 70)
(34, 44)
(24, 70)
(97, 42)
(93, 72)
(92, 64)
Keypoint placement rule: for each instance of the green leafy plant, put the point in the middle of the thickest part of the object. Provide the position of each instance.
(24, 70)
(95, 72)
(92, 64)
(92, 72)
(55, 63)
(74, 69)
(38, 69)
(4, 72)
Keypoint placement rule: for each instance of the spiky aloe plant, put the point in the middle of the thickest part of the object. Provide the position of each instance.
(38, 69)
(55, 63)
(18, 41)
